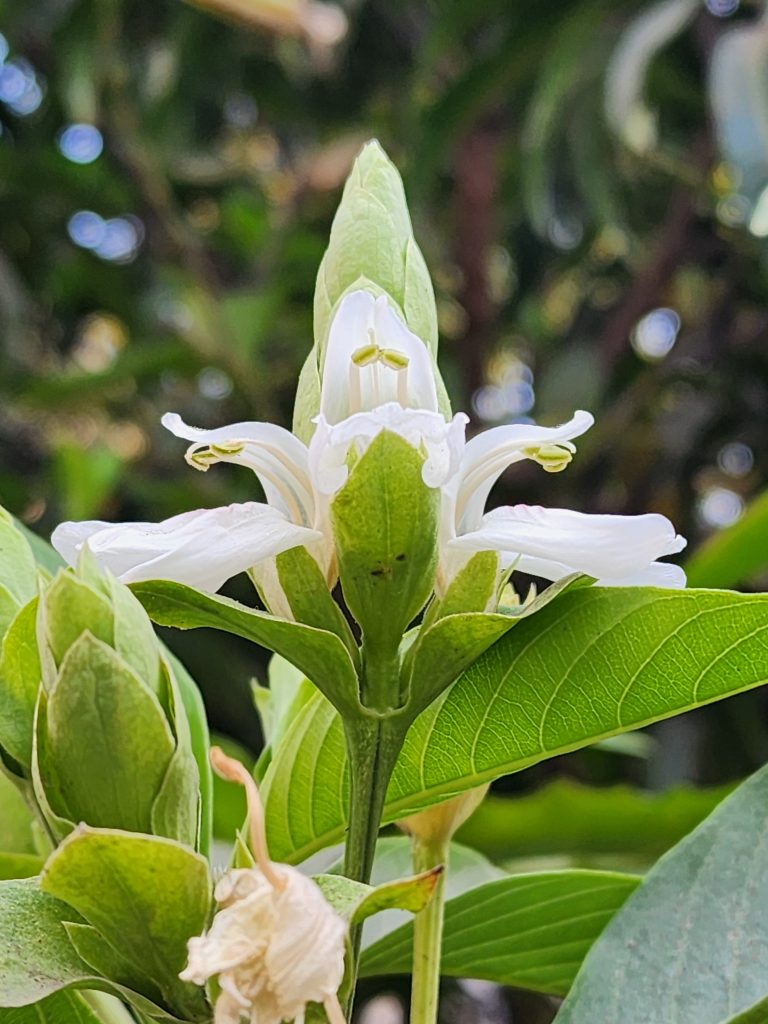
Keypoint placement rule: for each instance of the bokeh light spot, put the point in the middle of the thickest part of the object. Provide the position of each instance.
(722, 8)
(655, 335)
(81, 143)
(86, 229)
(121, 240)
(720, 507)
(214, 384)
(736, 459)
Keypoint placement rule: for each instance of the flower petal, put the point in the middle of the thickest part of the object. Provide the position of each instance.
(442, 441)
(203, 548)
(657, 574)
(276, 456)
(489, 453)
(348, 387)
(603, 546)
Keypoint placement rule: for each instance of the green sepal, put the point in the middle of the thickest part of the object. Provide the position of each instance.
(386, 566)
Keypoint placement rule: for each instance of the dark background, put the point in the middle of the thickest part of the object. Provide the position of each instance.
(585, 180)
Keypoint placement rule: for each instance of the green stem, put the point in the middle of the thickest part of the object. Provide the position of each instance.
(428, 934)
(373, 745)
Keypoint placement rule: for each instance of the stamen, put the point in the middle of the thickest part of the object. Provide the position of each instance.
(204, 458)
(366, 354)
(233, 771)
(553, 458)
(393, 359)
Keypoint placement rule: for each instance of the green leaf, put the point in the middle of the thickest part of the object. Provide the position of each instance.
(199, 742)
(20, 865)
(386, 567)
(106, 960)
(16, 820)
(320, 655)
(531, 931)
(18, 573)
(695, 931)
(735, 554)
(108, 738)
(36, 956)
(594, 663)
(611, 820)
(70, 1008)
(146, 895)
(757, 1014)
(19, 682)
(356, 901)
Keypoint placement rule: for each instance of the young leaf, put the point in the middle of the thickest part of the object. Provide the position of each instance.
(695, 934)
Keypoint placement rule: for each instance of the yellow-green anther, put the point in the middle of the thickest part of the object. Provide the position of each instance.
(233, 448)
(365, 355)
(551, 457)
(393, 359)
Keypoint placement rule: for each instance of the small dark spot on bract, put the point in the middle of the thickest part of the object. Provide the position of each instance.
(400, 557)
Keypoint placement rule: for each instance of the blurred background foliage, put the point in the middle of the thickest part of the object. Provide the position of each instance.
(588, 180)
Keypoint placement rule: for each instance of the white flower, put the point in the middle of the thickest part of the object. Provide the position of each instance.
(275, 943)
(552, 543)
(377, 376)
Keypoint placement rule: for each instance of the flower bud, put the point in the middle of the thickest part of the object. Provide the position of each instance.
(371, 247)
(112, 739)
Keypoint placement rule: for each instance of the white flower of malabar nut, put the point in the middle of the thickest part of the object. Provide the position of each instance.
(552, 543)
(275, 943)
(377, 376)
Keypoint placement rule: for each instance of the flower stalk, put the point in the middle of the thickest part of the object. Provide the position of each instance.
(428, 933)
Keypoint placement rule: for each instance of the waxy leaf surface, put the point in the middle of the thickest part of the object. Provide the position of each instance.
(592, 663)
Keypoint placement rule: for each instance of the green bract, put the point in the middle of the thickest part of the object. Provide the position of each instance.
(112, 741)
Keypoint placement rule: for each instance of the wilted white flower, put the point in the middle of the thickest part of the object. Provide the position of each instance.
(275, 943)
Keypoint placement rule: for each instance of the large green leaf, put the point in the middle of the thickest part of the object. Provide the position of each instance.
(16, 821)
(319, 654)
(145, 895)
(735, 554)
(590, 821)
(591, 664)
(695, 934)
(531, 931)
